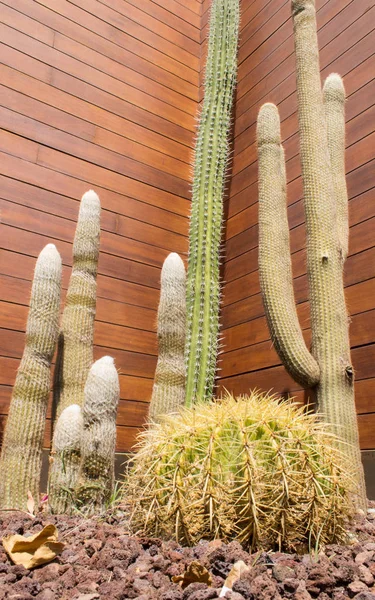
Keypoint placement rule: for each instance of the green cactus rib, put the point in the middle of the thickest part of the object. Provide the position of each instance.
(98, 441)
(211, 155)
(321, 124)
(65, 460)
(169, 384)
(21, 455)
(75, 355)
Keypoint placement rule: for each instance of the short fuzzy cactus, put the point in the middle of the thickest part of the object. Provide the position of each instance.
(98, 440)
(21, 454)
(255, 469)
(65, 460)
(75, 355)
(169, 384)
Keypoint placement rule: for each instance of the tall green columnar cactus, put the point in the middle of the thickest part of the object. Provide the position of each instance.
(98, 440)
(65, 460)
(169, 385)
(21, 455)
(75, 354)
(211, 156)
(328, 367)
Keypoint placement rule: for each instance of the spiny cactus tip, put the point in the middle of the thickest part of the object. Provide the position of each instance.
(268, 124)
(104, 367)
(90, 196)
(105, 360)
(71, 410)
(173, 259)
(333, 88)
(49, 258)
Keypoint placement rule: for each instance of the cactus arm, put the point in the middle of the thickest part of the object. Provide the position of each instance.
(275, 265)
(65, 460)
(329, 319)
(334, 105)
(169, 384)
(98, 440)
(77, 327)
(21, 455)
(203, 288)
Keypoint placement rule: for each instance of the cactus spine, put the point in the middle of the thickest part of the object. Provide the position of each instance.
(211, 155)
(169, 385)
(65, 460)
(321, 118)
(75, 355)
(98, 441)
(21, 455)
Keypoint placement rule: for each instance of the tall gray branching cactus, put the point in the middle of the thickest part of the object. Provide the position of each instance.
(211, 156)
(98, 440)
(21, 454)
(65, 460)
(76, 337)
(169, 385)
(328, 367)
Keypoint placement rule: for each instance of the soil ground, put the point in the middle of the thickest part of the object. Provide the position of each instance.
(102, 560)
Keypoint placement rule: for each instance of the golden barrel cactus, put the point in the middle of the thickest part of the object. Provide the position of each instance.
(254, 469)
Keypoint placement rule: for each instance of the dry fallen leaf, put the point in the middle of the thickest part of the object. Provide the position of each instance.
(38, 549)
(235, 573)
(195, 573)
(30, 503)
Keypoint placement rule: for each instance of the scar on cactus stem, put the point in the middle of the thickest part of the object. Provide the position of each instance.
(328, 367)
(255, 469)
(75, 355)
(98, 441)
(210, 161)
(65, 460)
(21, 454)
(168, 392)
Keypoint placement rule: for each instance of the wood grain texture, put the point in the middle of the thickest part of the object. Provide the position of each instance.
(102, 95)
(266, 73)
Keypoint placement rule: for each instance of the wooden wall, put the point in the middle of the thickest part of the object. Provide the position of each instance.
(103, 94)
(98, 94)
(266, 73)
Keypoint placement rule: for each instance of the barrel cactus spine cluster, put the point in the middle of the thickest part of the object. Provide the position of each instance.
(252, 469)
(21, 453)
(328, 367)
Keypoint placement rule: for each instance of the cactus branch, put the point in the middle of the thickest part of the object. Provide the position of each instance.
(169, 385)
(98, 441)
(77, 328)
(65, 460)
(275, 265)
(334, 105)
(21, 455)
